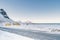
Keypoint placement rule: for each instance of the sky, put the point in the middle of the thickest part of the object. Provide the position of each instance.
(37, 11)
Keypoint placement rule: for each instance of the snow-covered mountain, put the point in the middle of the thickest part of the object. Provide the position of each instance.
(4, 17)
(5, 20)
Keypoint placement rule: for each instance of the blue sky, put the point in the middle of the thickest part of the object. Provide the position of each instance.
(42, 11)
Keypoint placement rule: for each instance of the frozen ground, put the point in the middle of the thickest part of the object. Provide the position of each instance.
(48, 28)
(36, 35)
(10, 36)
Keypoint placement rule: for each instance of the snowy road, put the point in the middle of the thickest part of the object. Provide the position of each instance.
(32, 34)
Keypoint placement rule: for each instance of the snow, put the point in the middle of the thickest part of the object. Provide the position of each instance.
(10, 36)
(48, 29)
(4, 17)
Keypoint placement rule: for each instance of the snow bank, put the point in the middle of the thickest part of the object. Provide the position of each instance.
(10, 36)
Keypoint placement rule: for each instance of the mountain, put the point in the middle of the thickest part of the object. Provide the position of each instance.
(4, 17)
(5, 20)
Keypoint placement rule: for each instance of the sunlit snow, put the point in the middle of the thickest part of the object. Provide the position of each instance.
(11, 36)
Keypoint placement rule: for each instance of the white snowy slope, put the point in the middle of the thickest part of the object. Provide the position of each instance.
(10, 36)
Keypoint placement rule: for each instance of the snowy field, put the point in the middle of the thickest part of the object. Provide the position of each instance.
(10, 36)
(33, 32)
(48, 28)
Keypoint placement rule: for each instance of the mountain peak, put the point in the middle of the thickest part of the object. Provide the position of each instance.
(3, 13)
(4, 16)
